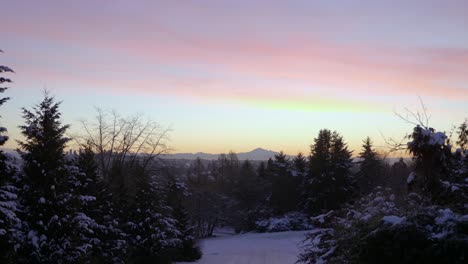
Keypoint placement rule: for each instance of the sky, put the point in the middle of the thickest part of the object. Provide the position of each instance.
(237, 75)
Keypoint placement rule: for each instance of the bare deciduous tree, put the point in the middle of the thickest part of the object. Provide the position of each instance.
(416, 118)
(117, 140)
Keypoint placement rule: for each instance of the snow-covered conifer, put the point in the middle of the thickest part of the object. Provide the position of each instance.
(57, 228)
(10, 224)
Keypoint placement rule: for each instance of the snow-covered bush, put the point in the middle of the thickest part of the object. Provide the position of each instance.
(430, 235)
(439, 173)
(287, 222)
(336, 229)
(376, 230)
(432, 153)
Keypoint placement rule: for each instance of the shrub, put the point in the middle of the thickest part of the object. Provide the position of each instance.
(289, 222)
(375, 230)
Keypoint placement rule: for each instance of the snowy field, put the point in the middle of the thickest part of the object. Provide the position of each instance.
(252, 248)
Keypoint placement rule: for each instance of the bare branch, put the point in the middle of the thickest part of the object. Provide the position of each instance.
(418, 118)
(392, 145)
(124, 140)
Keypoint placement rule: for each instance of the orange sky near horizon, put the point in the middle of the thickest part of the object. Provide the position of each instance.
(240, 75)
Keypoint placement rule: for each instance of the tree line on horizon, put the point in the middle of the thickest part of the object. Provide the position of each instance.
(237, 193)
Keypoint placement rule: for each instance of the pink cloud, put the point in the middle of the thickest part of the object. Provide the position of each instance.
(314, 61)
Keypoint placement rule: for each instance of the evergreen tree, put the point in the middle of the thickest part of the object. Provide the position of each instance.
(57, 229)
(284, 193)
(341, 163)
(462, 140)
(44, 145)
(370, 167)
(177, 193)
(3, 130)
(314, 192)
(300, 164)
(10, 224)
(368, 154)
(329, 181)
(87, 163)
(99, 206)
(300, 167)
(151, 232)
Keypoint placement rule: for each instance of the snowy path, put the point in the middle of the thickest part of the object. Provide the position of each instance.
(252, 248)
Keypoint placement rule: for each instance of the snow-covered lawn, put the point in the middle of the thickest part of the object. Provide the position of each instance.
(252, 248)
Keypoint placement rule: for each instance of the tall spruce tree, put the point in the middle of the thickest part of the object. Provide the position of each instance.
(42, 152)
(10, 224)
(341, 163)
(329, 183)
(57, 228)
(43, 147)
(284, 193)
(3, 130)
(300, 164)
(370, 167)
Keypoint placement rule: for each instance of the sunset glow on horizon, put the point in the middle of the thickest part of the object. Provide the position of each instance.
(231, 75)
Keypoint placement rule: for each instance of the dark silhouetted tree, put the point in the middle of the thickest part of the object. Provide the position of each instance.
(432, 155)
(300, 164)
(462, 140)
(177, 194)
(3, 130)
(329, 183)
(370, 167)
(57, 227)
(205, 205)
(10, 224)
(284, 192)
(44, 145)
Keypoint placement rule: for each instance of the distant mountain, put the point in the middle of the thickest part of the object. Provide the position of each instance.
(256, 154)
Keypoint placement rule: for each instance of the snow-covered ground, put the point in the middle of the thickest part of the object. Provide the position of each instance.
(252, 248)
